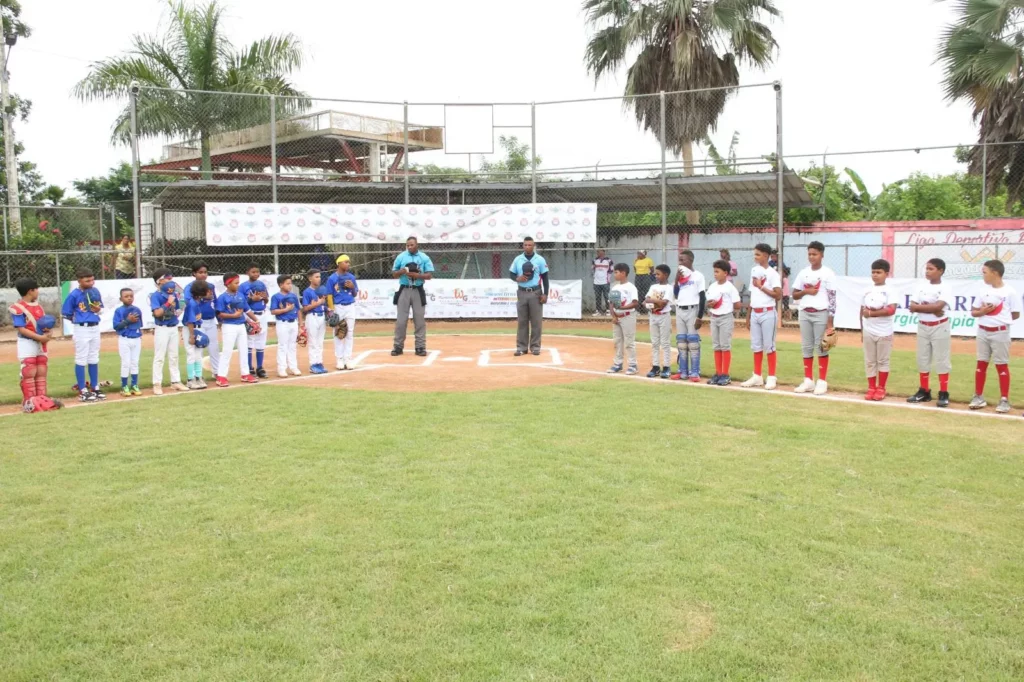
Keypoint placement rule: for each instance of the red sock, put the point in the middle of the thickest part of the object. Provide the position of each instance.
(771, 364)
(925, 381)
(979, 377)
(883, 377)
(823, 368)
(718, 362)
(758, 362)
(726, 361)
(1004, 380)
(943, 382)
(808, 368)
(871, 383)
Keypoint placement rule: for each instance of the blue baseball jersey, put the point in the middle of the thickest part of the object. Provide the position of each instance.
(193, 313)
(206, 305)
(336, 288)
(169, 318)
(229, 303)
(540, 266)
(310, 295)
(420, 258)
(124, 327)
(249, 289)
(280, 300)
(78, 306)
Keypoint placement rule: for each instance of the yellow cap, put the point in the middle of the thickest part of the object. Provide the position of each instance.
(342, 259)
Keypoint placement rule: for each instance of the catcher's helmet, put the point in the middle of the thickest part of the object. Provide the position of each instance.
(202, 340)
(45, 323)
(333, 320)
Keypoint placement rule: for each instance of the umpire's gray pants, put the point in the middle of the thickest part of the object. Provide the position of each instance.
(530, 314)
(812, 330)
(410, 297)
(721, 331)
(762, 331)
(933, 342)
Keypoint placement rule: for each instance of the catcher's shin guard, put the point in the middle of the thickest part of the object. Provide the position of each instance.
(42, 369)
(694, 343)
(683, 357)
(29, 367)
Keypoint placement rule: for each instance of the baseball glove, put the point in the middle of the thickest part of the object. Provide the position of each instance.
(252, 328)
(829, 341)
(333, 319)
(341, 331)
(303, 338)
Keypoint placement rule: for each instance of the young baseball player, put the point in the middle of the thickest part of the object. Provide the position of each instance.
(659, 306)
(82, 307)
(930, 302)
(192, 324)
(876, 311)
(30, 322)
(232, 311)
(166, 307)
(690, 299)
(996, 308)
(284, 306)
(765, 293)
(128, 325)
(314, 298)
(814, 290)
(209, 318)
(622, 303)
(723, 300)
(257, 296)
(342, 290)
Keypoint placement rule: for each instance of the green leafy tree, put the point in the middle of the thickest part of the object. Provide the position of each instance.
(29, 179)
(924, 197)
(115, 189)
(515, 167)
(432, 172)
(195, 55)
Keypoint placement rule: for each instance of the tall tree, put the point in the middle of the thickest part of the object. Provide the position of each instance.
(679, 45)
(983, 57)
(29, 179)
(516, 165)
(194, 55)
(13, 28)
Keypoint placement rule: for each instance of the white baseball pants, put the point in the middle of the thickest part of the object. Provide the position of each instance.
(234, 336)
(209, 327)
(287, 346)
(87, 345)
(192, 354)
(165, 346)
(259, 341)
(129, 350)
(315, 328)
(343, 347)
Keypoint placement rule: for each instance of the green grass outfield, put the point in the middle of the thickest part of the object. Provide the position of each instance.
(570, 532)
(846, 368)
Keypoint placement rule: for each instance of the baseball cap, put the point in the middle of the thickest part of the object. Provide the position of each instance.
(342, 259)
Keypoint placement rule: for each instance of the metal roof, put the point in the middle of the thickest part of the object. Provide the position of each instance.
(695, 193)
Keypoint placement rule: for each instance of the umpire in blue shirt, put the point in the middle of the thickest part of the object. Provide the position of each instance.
(412, 268)
(530, 272)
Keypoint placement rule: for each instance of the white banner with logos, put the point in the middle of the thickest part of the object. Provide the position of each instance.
(851, 290)
(446, 298)
(241, 224)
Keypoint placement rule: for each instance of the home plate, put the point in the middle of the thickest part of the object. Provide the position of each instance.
(456, 359)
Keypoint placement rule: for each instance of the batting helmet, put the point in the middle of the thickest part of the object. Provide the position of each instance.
(202, 340)
(46, 323)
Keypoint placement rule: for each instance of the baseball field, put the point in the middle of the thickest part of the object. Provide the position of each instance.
(473, 516)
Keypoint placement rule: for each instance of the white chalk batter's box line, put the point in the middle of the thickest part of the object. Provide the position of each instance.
(484, 358)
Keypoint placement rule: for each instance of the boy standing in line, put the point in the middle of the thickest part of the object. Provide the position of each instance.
(233, 309)
(876, 311)
(342, 290)
(166, 307)
(690, 299)
(284, 306)
(128, 325)
(209, 316)
(931, 304)
(82, 307)
(192, 322)
(313, 300)
(765, 293)
(257, 297)
(659, 303)
(815, 292)
(32, 339)
(622, 302)
(723, 302)
(996, 309)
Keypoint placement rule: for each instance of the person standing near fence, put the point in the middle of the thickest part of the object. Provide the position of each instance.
(258, 297)
(124, 260)
(530, 271)
(815, 291)
(342, 290)
(207, 308)
(659, 304)
(765, 292)
(602, 269)
(930, 302)
(314, 299)
(643, 268)
(690, 300)
(412, 268)
(734, 269)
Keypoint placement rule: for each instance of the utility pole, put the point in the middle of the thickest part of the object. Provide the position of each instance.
(13, 193)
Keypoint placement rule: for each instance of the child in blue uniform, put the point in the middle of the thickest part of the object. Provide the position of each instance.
(128, 325)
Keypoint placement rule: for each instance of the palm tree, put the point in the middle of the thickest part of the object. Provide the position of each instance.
(983, 57)
(187, 67)
(680, 45)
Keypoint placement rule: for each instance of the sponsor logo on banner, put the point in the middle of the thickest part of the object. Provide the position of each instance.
(965, 251)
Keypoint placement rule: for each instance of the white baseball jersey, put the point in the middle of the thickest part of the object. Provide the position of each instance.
(689, 291)
(1007, 302)
(876, 298)
(627, 294)
(824, 277)
(933, 293)
(721, 298)
(602, 270)
(662, 292)
(759, 299)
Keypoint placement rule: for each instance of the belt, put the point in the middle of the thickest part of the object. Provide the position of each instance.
(344, 304)
(86, 324)
(408, 286)
(317, 314)
(529, 289)
(259, 312)
(994, 329)
(763, 310)
(626, 313)
(934, 323)
(208, 319)
(812, 310)
(688, 307)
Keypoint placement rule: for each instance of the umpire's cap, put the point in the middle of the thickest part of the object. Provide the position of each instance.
(528, 269)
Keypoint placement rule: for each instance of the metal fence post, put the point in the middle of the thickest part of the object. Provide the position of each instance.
(273, 172)
(533, 152)
(846, 260)
(136, 205)
(60, 295)
(405, 147)
(664, 182)
(781, 175)
(7, 259)
(99, 213)
(984, 176)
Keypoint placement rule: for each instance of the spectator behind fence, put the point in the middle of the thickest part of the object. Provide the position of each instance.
(643, 267)
(734, 270)
(124, 262)
(602, 269)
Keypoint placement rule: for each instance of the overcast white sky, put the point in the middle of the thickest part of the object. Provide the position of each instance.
(851, 80)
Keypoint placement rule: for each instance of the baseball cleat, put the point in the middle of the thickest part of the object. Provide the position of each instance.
(870, 394)
(631, 371)
(1003, 407)
(771, 384)
(655, 371)
(125, 392)
(222, 382)
(943, 399)
(261, 373)
(178, 386)
(694, 378)
(676, 377)
(283, 375)
(977, 403)
(249, 379)
(806, 386)
(200, 383)
(821, 388)
(87, 397)
(922, 396)
(100, 395)
(295, 372)
(753, 382)
(713, 381)
(666, 373)
(724, 380)
(158, 389)
(615, 369)
(339, 365)
(879, 394)
(190, 384)
(135, 390)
